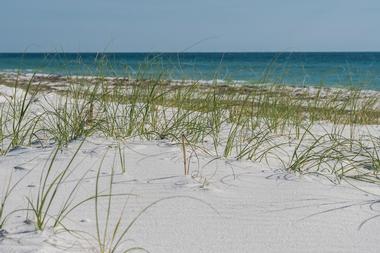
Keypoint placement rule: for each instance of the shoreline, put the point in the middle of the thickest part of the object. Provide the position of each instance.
(295, 88)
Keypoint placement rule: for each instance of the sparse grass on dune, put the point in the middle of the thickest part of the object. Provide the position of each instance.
(272, 124)
(238, 122)
(18, 122)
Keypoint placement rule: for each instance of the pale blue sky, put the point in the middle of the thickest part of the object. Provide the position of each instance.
(177, 25)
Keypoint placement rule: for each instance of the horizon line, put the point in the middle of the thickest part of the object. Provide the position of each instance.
(179, 52)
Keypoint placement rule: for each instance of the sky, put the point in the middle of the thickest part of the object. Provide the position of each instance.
(189, 25)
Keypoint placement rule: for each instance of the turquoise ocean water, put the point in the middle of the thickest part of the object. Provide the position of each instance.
(361, 70)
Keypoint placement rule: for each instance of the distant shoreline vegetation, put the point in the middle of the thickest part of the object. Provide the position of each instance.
(359, 70)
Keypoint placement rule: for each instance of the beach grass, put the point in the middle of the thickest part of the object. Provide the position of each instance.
(240, 122)
(304, 131)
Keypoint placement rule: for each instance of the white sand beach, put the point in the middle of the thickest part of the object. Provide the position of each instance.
(189, 126)
(103, 194)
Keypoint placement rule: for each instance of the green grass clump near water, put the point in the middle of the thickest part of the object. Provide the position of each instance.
(241, 122)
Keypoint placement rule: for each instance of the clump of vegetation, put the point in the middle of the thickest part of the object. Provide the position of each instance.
(245, 122)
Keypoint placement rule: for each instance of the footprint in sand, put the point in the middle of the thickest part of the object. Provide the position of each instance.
(19, 168)
(3, 233)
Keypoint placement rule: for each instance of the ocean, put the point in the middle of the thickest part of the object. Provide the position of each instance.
(354, 69)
